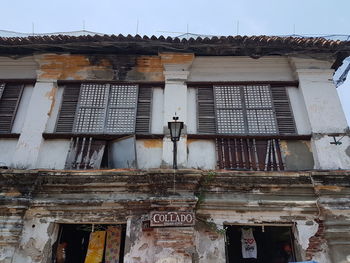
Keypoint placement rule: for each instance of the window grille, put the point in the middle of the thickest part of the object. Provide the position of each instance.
(244, 109)
(104, 108)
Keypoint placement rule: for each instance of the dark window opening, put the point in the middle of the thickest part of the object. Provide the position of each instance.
(89, 153)
(76, 242)
(270, 244)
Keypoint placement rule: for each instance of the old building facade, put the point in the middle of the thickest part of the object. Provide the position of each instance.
(86, 153)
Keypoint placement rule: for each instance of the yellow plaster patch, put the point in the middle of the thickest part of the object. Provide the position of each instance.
(284, 147)
(67, 66)
(151, 66)
(153, 143)
(51, 96)
(12, 194)
(332, 188)
(189, 141)
(308, 144)
(176, 58)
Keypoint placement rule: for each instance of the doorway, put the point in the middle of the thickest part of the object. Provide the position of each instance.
(73, 243)
(260, 244)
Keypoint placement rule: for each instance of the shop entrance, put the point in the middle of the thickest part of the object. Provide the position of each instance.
(77, 243)
(259, 244)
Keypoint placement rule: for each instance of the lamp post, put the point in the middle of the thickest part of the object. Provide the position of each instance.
(175, 128)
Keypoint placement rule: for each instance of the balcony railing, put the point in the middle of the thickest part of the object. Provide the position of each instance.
(249, 154)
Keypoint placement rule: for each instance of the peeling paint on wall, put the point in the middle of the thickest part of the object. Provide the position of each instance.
(68, 67)
(51, 96)
(153, 143)
(297, 155)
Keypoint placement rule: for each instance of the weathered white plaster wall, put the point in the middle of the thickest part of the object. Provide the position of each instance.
(299, 110)
(29, 143)
(321, 99)
(22, 109)
(201, 154)
(324, 111)
(241, 69)
(51, 122)
(7, 150)
(330, 156)
(167, 157)
(191, 111)
(157, 121)
(53, 154)
(175, 101)
(36, 242)
(209, 249)
(21, 68)
(149, 153)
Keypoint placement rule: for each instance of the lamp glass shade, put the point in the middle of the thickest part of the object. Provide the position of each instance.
(175, 128)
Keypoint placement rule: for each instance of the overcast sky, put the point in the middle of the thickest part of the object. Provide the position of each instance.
(149, 17)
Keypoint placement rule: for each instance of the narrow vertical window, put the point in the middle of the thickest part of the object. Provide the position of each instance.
(10, 95)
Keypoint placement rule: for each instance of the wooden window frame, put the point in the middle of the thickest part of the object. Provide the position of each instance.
(280, 120)
(106, 107)
(140, 116)
(20, 85)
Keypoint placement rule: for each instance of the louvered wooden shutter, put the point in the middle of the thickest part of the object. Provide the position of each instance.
(10, 95)
(68, 108)
(206, 110)
(284, 115)
(143, 116)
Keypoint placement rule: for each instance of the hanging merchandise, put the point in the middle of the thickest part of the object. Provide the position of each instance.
(249, 248)
(96, 246)
(113, 244)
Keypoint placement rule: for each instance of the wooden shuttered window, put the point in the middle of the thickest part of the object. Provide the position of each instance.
(244, 109)
(69, 104)
(105, 108)
(283, 112)
(144, 108)
(206, 111)
(10, 95)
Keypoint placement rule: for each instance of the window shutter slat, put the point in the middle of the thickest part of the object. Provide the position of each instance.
(284, 115)
(144, 107)
(10, 95)
(206, 110)
(68, 108)
(2, 87)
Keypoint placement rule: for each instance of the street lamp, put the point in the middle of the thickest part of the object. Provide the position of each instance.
(175, 128)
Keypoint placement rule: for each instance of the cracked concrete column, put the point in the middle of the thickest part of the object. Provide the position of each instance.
(176, 72)
(38, 113)
(324, 112)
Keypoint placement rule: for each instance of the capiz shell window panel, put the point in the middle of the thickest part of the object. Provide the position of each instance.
(106, 108)
(242, 109)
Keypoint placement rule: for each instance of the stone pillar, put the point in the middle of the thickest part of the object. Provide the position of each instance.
(325, 113)
(39, 110)
(176, 71)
